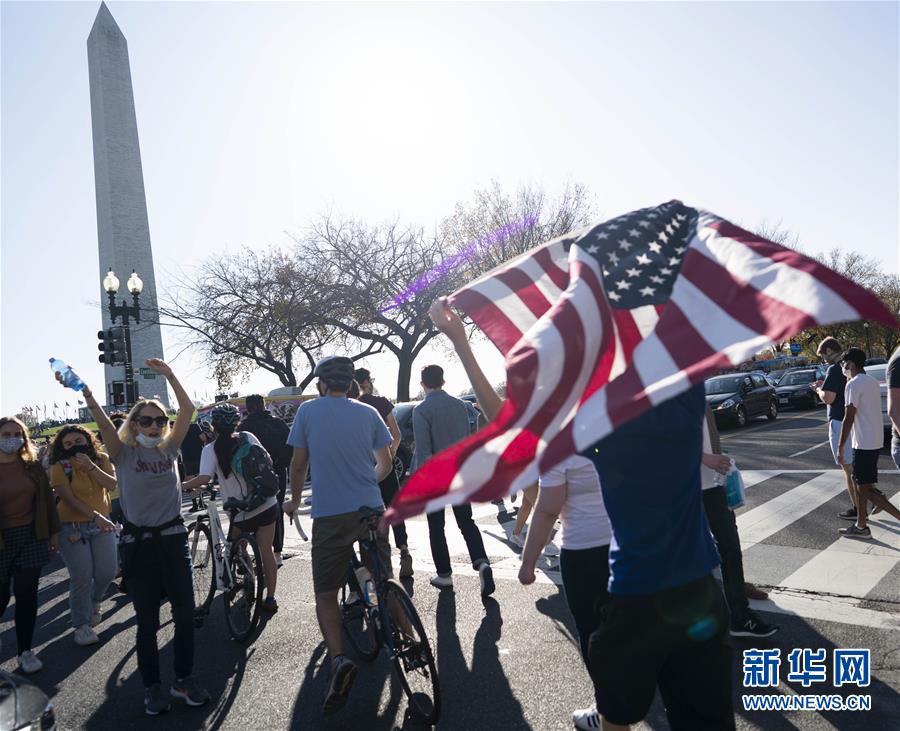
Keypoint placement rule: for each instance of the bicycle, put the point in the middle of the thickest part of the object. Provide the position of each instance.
(368, 628)
(234, 565)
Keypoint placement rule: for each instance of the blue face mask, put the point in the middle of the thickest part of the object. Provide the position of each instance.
(11, 445)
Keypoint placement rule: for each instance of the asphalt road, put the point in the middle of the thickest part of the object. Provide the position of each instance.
(507, 662)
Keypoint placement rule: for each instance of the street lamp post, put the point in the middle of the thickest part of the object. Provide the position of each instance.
(127, 313)
(868, 347)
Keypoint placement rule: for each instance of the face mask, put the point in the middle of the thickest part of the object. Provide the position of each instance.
(846, 372)
(148, 442)
(75, 449)
(11, 445)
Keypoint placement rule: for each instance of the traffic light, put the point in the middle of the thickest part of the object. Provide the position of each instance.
(118, 392)
(112, 346)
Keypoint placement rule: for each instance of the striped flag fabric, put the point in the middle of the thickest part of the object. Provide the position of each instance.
(598, 326)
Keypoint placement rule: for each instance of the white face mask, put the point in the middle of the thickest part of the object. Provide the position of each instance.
(11, 445)
(148, 442)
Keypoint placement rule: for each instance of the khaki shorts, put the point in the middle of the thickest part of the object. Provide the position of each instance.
(333, 539)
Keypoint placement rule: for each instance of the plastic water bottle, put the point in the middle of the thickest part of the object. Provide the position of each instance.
(366, 585)
(70, 379)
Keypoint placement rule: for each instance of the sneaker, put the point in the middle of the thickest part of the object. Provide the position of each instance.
(270, 605)
(190, 690)
(754, 592)
(753, 627)
(28, 662)
(849, 514)
(517, 540)
(97, 615)
(487, 579)
(586, 719)
(441, 582)
(343, 673)
(155, 701)
(406, 568)
(551, 549)
(85, 635)
(854, 531)
(279, 562)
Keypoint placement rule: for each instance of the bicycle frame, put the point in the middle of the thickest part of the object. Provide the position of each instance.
(221, 545)
(383, 621)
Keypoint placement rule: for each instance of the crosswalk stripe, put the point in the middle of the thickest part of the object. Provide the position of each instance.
(772, 516)
(850, 567)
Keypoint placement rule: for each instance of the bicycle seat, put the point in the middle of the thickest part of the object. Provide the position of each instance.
(234, 505)
(368, 515)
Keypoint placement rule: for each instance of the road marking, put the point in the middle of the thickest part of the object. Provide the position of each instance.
(816, 446)
(778, 513)
(827, 608)
(745, 431)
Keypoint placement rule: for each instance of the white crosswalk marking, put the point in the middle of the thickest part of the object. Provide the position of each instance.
(817, 574)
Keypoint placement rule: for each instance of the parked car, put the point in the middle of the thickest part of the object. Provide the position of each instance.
(403, 458)
(879, 373)
(24, 706)
(738, 397)
(876, 361)
(797, 389)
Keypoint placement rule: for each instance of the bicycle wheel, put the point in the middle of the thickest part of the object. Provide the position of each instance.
(413, 658)
(357, 620)
(243, 598)
(203, 566)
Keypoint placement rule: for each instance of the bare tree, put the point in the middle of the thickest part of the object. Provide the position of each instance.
(254, 310)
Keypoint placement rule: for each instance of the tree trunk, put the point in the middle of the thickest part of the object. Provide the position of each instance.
(404, 372)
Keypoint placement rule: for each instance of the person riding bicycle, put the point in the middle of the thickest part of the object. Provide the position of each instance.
(215, 459)
(350, 447)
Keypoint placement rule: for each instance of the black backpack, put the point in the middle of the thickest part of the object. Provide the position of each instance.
(272, 434)
(252, 464)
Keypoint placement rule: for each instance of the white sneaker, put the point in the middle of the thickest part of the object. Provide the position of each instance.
(441, 582)
(84, 636)
(518, 540)
(28, 662)
(279, 562)
(586, 719)
(551, 549)
(97, 616)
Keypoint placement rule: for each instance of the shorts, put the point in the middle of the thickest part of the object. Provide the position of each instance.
(333, 539)
(834, 438)
(865, 466)
(266, 517)
(676, 639)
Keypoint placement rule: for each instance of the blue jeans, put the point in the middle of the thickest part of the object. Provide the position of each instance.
(91, 559)
(156, 567)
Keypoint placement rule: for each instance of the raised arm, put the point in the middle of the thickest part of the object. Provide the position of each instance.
(185, 405)
(111, 440)
(448, 322)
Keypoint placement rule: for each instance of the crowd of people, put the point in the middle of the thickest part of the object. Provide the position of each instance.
(638, 583)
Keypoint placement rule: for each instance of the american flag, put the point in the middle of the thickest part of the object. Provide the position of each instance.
(602, 324)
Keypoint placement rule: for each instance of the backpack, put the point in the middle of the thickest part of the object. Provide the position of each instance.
(272, 434)
(252, 463)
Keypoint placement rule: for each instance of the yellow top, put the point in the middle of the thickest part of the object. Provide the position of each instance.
(84, 487)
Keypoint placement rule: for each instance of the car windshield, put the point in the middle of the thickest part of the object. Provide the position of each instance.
(723, 385)
(877, 372)
(797, 379)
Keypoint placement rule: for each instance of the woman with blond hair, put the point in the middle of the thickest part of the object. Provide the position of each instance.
(83, 477)
(29, 528)
(155, 555)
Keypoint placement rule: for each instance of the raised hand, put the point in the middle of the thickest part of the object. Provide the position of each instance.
(446, 320)
(159, 366)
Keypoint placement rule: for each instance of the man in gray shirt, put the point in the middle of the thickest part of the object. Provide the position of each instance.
(439, 422)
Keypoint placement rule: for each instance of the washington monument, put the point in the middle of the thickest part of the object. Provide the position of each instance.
(122, 227)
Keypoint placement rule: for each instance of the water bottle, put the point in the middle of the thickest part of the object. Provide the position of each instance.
(70, 379)
(366, 585)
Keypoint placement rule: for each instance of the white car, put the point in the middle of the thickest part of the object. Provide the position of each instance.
(879, 373)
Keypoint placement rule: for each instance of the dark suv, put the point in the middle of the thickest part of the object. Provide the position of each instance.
(737, 397)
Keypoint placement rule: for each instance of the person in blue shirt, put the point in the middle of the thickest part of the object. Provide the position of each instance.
(666, 622)
(350, 447)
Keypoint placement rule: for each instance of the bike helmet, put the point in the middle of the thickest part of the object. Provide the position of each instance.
(225, 414)
(335, 370)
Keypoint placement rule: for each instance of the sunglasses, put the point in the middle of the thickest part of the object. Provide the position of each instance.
(146, 421)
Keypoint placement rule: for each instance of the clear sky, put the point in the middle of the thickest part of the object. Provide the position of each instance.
(255, 117)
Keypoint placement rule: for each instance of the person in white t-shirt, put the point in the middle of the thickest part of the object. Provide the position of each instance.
(571, 491)
(862, 420)
(215, 459)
